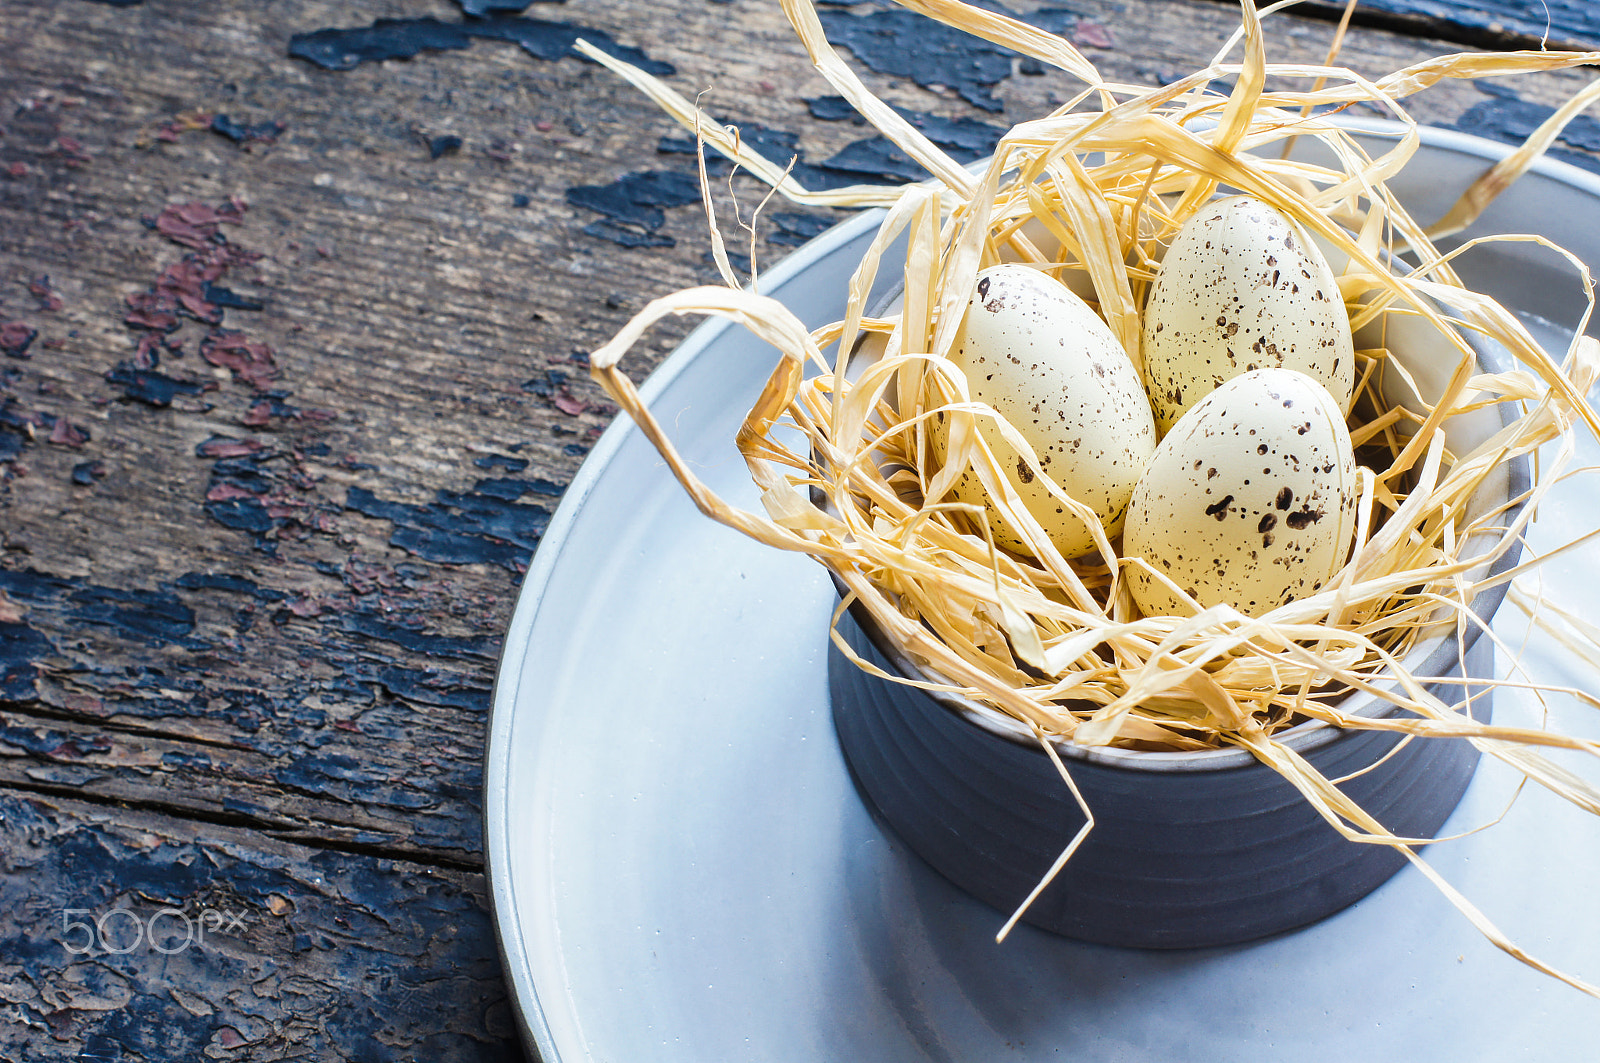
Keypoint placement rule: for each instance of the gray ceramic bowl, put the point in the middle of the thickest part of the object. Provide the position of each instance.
(1188, 849)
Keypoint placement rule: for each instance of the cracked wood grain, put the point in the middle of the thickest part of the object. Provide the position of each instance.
(291, 379)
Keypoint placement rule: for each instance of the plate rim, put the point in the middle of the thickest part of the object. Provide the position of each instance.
(530, 599)
(514, 954)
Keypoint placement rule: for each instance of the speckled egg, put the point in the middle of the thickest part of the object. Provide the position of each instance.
(1250, 500)
(1046, 362)
(1242, 287)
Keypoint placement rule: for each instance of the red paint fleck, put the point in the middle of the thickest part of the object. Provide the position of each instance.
(250, 360)
(78, 747)
(1091, 35)
(228, 1037)
(229, 448)
(544, 126)
(17, 169)
(258, 414)
(184, 283)
(67, 434)
(226, 492)
(147, 355)
(569, 405)
(40, 289)
(150, 310)
(305, 607)
(72, 151)
(346, 725)
(194, 224)
(15, 338)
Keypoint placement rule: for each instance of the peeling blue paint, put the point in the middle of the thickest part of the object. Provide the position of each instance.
(391, 38)
(461, 527)
(21, 647)
(361, 928)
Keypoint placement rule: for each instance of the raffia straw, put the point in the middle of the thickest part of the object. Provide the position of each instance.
(1333, 53)
(1505, 173)
(1055, 642)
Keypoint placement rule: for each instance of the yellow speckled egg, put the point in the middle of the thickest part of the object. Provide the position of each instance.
(1046, 362)
(1242, 287)
(1249, 501)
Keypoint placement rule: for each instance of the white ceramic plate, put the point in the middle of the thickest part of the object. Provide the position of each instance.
(681, 869)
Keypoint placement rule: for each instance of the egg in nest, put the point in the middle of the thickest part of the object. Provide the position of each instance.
(1249, 501)
(1242, 287)
(1045, 361)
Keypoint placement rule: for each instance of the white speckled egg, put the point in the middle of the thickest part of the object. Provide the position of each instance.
(1045, 361)
(1249, 501)
(1242, 287)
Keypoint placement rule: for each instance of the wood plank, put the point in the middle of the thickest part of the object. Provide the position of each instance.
(295, 590)
(252, 591)
(227, 945)
(1484, 23)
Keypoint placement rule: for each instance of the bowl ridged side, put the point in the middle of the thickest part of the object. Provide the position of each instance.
(1176, 860)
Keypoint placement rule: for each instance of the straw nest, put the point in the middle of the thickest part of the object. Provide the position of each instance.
(1100, 186)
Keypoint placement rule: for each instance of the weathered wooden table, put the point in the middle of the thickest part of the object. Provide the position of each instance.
(292, 373)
